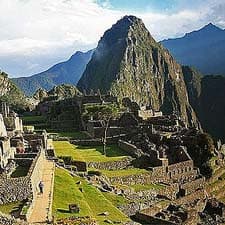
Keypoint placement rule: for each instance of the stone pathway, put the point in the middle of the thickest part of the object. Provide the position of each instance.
(42, 206)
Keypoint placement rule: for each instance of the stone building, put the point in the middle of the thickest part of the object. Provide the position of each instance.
(12, 122)
(146, 113)
(6, 151)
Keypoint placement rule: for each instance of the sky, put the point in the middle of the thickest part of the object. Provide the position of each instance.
(36, 34)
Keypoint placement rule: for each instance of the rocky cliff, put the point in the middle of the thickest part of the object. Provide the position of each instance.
(206, 94)
(128, 62)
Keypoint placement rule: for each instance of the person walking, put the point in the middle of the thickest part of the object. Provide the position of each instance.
(41, 187)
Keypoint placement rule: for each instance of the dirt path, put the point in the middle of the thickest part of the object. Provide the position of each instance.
(42, 206)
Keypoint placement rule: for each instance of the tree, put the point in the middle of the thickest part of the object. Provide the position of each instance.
(104, 113)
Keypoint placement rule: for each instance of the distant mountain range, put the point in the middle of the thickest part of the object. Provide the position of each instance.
(203, 49)
(68, 72)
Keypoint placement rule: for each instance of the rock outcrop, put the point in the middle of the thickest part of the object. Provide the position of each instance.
(11, 94)
(128, 62)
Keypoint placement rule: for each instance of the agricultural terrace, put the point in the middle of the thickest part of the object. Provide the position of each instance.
(90, 153)
(90, 200)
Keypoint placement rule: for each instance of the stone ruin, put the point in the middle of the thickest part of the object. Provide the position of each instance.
(12, 122)
(19, 150)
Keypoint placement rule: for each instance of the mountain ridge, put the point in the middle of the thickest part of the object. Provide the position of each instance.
(203, 49)
(67, 72)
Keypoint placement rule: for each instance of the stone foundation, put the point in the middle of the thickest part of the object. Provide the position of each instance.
(22, 188)
(113, 165)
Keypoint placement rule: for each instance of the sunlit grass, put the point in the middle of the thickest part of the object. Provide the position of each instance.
(90, 153)
(90, 200)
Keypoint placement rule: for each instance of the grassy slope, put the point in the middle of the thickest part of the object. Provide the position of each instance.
(88, 154)
(66, 195)
(124, 172)
(20, 171)
(9, 208)
(91, 201)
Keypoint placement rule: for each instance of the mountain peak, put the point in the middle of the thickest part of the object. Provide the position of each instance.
(128, 62)
(211, 27)
(131, 19)
(127, 21)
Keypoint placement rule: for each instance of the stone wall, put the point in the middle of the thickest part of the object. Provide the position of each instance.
(194, 185)
(145, 195)
(154, 209)
(185, 176)
(42, 138)
(98, 132)
(36, 172)
(18, 189)
(81, 166)
(3, 132)
(14, 189)
(130, 148)
(6, 152)
(25, 155)
(111, 165)
(152, 220)
(144, 178)
(193, 197)
(13, 123)
(169, 191)
(159, 174)
(132, 208)
(96, 141)
(8, 220)
(182, 167)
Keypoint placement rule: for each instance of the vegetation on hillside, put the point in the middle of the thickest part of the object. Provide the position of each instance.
(11, 94)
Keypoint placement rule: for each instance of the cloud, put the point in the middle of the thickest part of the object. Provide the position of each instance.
(36, 34)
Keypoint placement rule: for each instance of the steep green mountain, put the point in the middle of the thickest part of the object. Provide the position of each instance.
(206, 94)
(128, 62)
(68, 72)
(11, 94)
(204, 49)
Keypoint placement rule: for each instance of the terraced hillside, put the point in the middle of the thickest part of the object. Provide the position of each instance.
(215, 186)
(88, 194)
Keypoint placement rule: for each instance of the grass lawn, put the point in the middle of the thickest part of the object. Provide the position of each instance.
(116, 200)
(91, 201)
(66, 192)
(64, 148)
(88, 154)
(10, 208)
(124, 172)
(20, 171)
